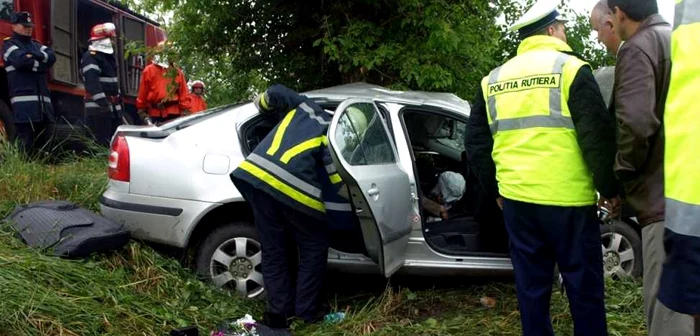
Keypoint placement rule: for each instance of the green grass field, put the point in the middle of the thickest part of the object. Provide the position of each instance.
(136, 291)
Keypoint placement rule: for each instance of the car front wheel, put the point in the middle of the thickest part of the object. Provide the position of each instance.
(622, 250)
(230, 257)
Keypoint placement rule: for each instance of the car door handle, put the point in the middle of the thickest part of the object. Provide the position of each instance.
(373, 192)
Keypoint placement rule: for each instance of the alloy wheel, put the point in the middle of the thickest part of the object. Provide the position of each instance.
(236, 265)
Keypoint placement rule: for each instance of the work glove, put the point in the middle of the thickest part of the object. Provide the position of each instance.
(105, 108)
(39, 56)
(144, 117)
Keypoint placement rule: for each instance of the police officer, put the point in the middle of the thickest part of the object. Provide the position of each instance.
(291, 184)
(540, 128)
(27, 62)
(103, 108)
(680, 279)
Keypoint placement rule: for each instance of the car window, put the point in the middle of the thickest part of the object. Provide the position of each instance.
(455, 140)
(361, 137)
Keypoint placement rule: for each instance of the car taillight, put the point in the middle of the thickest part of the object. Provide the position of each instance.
(118, 166)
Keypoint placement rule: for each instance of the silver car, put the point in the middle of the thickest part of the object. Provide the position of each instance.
(170, 184)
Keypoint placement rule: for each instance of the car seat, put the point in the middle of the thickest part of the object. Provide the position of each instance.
(458, 234)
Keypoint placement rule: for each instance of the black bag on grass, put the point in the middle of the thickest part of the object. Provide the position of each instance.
(66, 228)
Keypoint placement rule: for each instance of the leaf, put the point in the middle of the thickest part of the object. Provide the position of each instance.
(431, 45)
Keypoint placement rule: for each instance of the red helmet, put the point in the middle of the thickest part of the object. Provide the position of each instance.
(103, 31)
(198, 84)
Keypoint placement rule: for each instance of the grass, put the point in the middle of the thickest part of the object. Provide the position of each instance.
(136, 291)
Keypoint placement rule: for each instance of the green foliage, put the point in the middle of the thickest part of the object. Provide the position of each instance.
(238, 47)
(431, 45)
(578, 33)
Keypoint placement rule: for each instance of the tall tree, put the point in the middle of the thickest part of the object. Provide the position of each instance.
(238, 46)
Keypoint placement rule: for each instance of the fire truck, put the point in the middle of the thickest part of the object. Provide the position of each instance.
(65, 25)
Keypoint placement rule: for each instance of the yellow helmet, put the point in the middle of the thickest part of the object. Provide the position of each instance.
(357, 119)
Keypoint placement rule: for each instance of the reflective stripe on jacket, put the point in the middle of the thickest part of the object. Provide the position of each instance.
(292, 163)
(537, 157)
(680, 281)
(99, 72)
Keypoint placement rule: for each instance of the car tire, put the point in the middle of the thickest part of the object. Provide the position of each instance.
(230, 257)
(7, 125)
(622, 250)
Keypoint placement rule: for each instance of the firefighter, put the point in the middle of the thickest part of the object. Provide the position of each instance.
(103, 106)
(27, 62)
(679, 289)
(290, 182)
(197, 97)
(541, 141)
(163, 93)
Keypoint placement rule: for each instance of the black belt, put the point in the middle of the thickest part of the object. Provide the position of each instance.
(164, 105)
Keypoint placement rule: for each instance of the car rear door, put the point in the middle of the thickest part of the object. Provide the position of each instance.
(379, 188)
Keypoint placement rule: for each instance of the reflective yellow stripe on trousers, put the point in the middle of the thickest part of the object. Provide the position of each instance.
(555, 117)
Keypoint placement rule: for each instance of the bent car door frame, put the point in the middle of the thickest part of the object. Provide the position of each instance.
(379, 187)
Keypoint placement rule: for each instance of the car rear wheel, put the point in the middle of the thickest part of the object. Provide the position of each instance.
(230, 257)
(622, 250)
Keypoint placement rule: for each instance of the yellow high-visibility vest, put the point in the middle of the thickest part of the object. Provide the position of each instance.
(682, 124)
(537, 157)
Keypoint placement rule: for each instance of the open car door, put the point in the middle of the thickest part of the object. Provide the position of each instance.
(366, 159)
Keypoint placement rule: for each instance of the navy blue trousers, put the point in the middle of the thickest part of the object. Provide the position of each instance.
(31, 136)
(284, 232)
(541, 236)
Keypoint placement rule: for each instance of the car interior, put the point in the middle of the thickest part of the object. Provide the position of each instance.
(475, 224)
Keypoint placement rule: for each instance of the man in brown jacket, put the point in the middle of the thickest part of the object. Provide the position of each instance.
(641, 82)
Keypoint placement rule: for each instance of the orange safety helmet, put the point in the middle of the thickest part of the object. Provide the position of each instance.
(103, 31)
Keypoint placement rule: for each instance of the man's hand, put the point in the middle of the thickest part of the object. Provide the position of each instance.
(612, 204)
(499, 201)
(144, 117)
(443, 213)
(39, 56)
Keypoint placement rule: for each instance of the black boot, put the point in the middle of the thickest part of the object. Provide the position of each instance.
(276, 321)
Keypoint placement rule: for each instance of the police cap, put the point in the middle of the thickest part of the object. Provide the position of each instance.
(542, 14)
(23, 18)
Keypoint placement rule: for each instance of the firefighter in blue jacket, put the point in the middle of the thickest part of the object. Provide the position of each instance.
(290, 182)
(27, 62)
(103, 108)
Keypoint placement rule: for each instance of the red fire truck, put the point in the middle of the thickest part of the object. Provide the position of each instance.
(65, 26)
